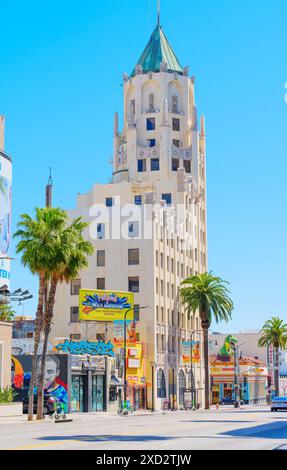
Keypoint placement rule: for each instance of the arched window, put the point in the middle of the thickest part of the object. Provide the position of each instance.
(191, 383)
(182, 387)
(161, 391)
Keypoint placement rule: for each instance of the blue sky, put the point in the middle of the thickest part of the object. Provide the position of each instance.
(61, 67)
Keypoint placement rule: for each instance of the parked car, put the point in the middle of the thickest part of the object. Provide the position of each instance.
(279, 403)
(48, 407)
(229, 401)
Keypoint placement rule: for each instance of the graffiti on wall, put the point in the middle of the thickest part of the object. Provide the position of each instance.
(55, 379)
(99, 348)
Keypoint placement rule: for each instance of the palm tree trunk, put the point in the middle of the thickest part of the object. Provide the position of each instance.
(37, 337)
(277, 386)
(47, 326)
(206, 368)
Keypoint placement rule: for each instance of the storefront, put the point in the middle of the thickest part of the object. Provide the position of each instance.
(136, 390)
(88, 384)
(82, 383)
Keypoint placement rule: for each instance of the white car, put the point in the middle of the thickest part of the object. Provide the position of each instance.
(279, 403)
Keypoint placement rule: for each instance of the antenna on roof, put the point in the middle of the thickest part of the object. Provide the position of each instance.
(49, 190)
(158, 12)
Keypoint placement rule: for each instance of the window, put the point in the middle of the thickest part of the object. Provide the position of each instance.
(161, 287)
(187, 166)
(101, 258)
(167, 199)
(109, 201)
(100, 337)
(154, 164)
(75, 286)
(157, 314)
(138, 338)
(138, 200)
(161, 391)
(176, 143)
(150, 124)
(100, 231)
(172, 266)
(101, 283)
(162, 315)
(75, 337)
(175, 164)
(161, 260)
(134, 256)
(74, 314)
(141, 166)
(133, 229)
(175, 124)
(156, 258)
(151, 142)
(136, 312)
(134, 284)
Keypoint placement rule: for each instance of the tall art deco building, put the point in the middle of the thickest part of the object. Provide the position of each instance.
(159, 182)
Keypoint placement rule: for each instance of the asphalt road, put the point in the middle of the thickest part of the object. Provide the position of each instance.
(249, 428)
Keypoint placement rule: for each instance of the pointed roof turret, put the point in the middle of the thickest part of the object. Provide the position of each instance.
(157, 52)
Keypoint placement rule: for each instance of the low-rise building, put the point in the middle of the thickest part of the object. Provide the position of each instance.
(5, 354)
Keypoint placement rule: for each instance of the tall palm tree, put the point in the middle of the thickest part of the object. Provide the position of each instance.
(274, 333)
(71, 257)
(37, 243)
(209, 295)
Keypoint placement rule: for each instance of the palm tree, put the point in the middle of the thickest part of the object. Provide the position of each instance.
(71, 257)
(274, 333)
(6, 312)
(208, 295)
(38, 239)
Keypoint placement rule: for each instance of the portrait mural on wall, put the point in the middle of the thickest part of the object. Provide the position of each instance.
(55, 380)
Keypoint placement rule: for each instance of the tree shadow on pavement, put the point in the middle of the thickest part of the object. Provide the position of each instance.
(263, 431)
(103, 438)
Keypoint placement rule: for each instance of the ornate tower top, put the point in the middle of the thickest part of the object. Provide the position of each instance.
(157, 53)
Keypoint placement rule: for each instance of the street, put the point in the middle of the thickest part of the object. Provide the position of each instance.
(250, 428)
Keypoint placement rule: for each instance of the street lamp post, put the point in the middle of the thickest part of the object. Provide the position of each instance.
(236, 373)
(153, 366)
(192, 389)
(125, 352)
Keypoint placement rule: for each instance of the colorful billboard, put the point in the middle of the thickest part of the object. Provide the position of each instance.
(118, 333)
(5, 217)
(105, 306)
(186, 350)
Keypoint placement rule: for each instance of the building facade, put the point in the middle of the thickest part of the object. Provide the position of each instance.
(5, 354)
(5, 214)
(148, 226)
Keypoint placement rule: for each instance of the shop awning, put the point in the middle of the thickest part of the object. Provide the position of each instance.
(116, 382)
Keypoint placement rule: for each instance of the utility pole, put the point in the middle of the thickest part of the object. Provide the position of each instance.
(236, 377)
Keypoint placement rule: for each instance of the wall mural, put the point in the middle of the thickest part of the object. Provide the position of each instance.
(55, 381)
(99, 348)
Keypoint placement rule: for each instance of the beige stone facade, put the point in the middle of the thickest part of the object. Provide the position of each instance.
(5, 354)
(159, 181)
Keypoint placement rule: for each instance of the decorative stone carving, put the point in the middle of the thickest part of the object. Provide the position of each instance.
(165, 112)
(163, 67)
(192, 78)
(151, 103)
(186, 71)
(125, 77)
(139, 69)
(150, 75)
(175, 76)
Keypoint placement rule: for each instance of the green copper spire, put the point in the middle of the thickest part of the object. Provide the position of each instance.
(156, 52)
